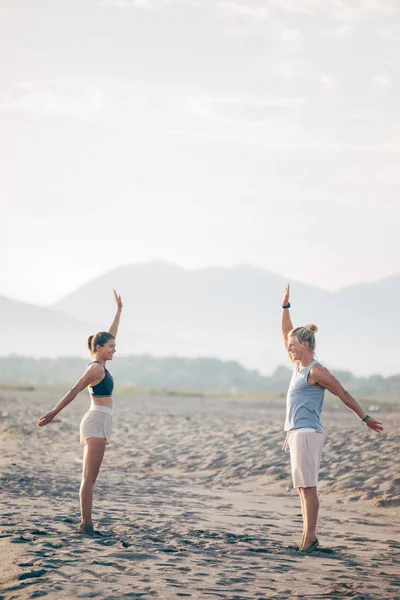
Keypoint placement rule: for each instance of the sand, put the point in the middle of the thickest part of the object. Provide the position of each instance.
(194, 500)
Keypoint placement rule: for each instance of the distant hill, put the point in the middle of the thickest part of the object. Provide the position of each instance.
(234, 314)
(38, 331)
(228, 313)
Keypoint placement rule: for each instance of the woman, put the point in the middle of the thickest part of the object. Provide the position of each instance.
(305, 434)
(96, 424)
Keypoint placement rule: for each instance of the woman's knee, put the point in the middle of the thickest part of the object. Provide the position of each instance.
(88, 480)
(307, 491)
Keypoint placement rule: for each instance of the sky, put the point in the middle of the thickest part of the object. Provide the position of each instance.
(200, 132)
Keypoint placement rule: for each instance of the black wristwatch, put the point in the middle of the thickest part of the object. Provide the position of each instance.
(286, 305)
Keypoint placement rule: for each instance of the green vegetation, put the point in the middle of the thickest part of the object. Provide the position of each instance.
(174, 375)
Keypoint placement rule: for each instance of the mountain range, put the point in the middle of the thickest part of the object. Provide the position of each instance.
(229, 313)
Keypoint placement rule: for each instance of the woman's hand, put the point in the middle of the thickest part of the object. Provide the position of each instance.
(286, 322)
(115, 324)
(374, 425)
(46, 418)
(118, 301)
(285, 300)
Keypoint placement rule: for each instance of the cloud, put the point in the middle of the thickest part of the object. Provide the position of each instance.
(383, 79)
(291, 35)
(390, 33)
(326, 79)
(144, 4)
(244, 138)
(284, 70)
(57, 99)
(304, 7)
(234, 10)
(245, 111)
(342, 10)
(240, 18)
(237, 30)
(343, 31)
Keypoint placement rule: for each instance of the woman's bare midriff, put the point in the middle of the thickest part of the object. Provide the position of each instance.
(102, 401)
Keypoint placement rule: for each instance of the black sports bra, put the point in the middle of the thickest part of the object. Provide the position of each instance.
(105, 386)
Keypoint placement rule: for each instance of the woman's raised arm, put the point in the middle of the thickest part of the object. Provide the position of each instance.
(115, 324)
(286, 322)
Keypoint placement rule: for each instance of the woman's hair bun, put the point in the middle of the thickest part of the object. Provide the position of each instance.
(312, 328)
(89, 342)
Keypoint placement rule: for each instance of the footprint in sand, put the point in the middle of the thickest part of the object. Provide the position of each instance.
(32, 574)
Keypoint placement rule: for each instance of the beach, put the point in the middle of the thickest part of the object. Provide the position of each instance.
(194, 499)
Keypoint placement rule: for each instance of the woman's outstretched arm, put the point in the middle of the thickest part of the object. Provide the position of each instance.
(325, 379)
(286, 321)
(94, 371)
(115, 324)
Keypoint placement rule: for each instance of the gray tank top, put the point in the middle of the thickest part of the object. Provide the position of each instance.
(304, 401)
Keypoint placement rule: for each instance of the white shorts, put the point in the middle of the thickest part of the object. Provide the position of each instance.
(305, 447)
(96, 423)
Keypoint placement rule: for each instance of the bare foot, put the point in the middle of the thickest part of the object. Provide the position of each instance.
(310, 547)
(86, 529)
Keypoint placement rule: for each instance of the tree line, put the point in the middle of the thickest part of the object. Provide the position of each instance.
(177, 373)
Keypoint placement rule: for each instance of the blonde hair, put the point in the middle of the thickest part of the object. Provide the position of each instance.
(306, 334)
